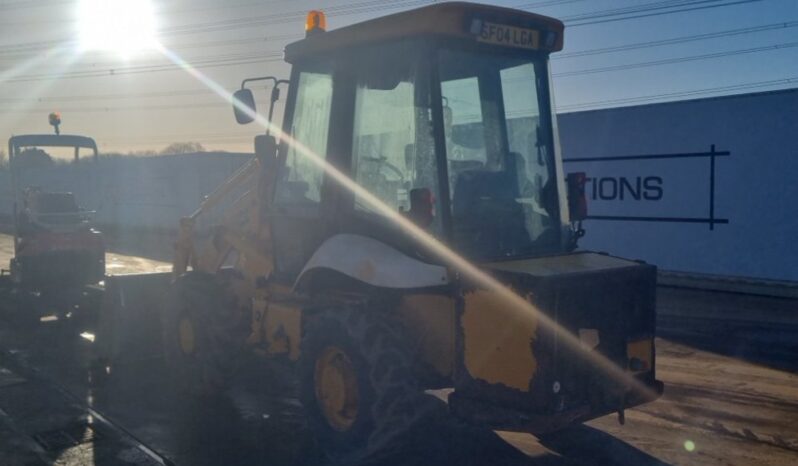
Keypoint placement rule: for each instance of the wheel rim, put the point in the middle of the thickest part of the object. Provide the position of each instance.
(336, 388)
(185, 332)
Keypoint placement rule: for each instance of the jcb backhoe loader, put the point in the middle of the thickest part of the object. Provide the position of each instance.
(413, 147)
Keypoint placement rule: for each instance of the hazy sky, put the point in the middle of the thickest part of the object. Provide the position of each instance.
(141, 101)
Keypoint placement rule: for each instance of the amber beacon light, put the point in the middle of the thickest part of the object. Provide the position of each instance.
(316, 22)
(55, 121)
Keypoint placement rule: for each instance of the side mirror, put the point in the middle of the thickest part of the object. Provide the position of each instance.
(243, 104)
(577, 200)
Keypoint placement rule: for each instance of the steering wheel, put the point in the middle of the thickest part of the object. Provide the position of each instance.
(384, 163)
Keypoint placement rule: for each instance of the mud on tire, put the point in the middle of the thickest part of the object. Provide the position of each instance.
(390, 401)
(198, 301)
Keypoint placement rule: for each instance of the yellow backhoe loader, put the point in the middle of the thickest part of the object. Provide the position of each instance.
(409, 227)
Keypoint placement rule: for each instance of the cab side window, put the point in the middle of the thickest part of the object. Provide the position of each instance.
(393, 150)
(300, 182)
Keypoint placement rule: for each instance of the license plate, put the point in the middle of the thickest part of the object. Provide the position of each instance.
(509, 36)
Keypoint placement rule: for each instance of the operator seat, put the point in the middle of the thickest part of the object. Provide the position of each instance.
(486, 213)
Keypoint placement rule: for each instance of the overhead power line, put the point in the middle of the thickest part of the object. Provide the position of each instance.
(180, 93)
(275, 56)
(103, 66)
(639, 8)
(369, 6)
(671, 95)
(257, 58)
(672, 6)
(676, 40)
(25, 53)
(560, 108)
(669, 61)
(372, 6)
(132, 95)
(577, 23)
(126, 108)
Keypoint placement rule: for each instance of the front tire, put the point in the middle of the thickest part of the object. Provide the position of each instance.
(200, 344)
(356, 383)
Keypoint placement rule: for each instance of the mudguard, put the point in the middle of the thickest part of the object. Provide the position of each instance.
(371, 262)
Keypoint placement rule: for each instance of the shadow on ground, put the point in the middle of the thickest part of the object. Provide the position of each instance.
(586, 445)
(258, 421)
(447, 441)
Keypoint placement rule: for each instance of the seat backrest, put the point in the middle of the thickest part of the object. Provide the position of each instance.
(54, 203)
(473, 187)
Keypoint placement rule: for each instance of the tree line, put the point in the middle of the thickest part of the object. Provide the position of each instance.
(34, 157)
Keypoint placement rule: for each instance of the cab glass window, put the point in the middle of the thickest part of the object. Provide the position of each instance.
(301, 180)
(393, 149)
(499, 158)
(462, 114)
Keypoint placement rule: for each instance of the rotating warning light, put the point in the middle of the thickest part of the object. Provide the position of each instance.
(55, 119)
(315, 22)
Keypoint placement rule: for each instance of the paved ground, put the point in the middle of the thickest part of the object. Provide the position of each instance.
(730, 399)
(118, 261)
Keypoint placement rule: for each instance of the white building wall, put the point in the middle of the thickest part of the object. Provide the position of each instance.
(755, 186)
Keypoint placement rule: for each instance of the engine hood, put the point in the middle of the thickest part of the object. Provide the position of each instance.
(564, 265)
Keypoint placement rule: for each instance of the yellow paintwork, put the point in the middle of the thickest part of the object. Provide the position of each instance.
(430, 320)
(243, 240)
(186, 253)
(282, 329)
(642, 350)
(336, 388)
(498, 341)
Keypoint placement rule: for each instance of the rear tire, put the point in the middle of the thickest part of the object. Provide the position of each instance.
(356, 384)
(200, 341)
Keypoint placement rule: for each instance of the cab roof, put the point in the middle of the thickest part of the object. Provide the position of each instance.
(451, 19)
(51, 140)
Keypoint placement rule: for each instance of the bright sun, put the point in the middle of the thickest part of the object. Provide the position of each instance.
(121, 26)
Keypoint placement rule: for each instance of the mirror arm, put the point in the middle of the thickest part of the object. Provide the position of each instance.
(275, 95)
(275, 81)
(260, 78)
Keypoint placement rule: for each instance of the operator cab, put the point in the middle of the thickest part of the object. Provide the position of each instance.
(444, 114)
(40, 208)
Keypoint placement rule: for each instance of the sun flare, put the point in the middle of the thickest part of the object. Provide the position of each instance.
(120, 26)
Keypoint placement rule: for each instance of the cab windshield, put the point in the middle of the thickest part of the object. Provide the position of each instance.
(499, 154)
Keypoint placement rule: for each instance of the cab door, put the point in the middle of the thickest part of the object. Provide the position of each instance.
(298, 221)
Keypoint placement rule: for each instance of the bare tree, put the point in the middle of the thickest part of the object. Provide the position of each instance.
(183, 148)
